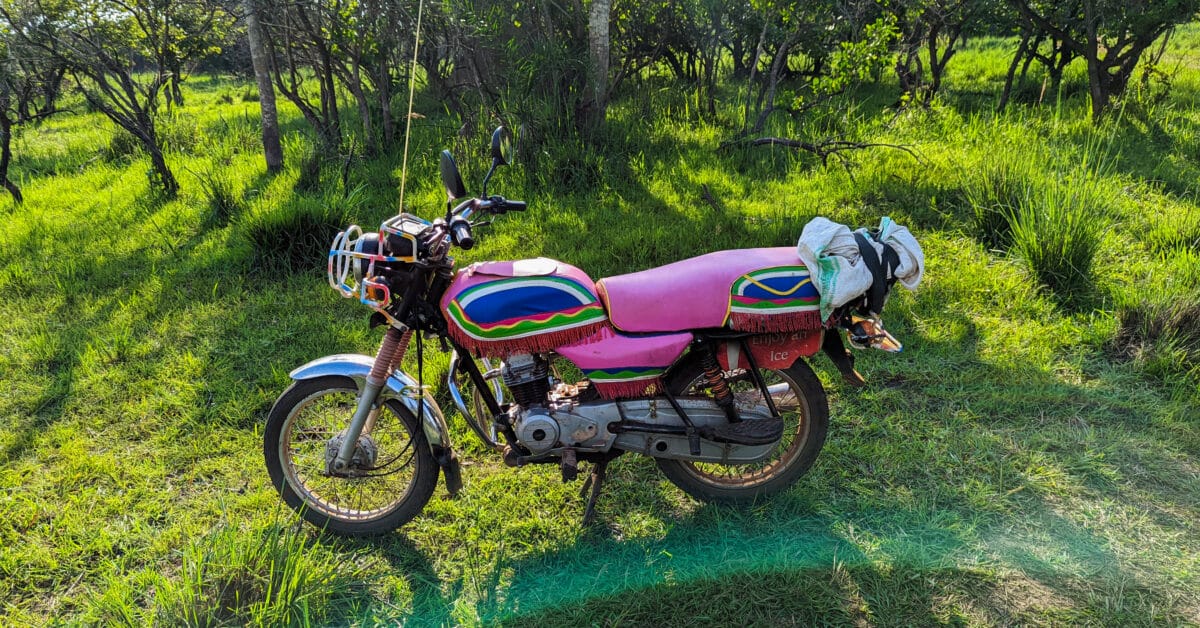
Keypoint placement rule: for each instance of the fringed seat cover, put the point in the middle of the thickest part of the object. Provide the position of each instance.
(760, 290)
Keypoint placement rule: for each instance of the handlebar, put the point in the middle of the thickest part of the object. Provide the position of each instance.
(460, 233)
(493, 204)
(459, 219)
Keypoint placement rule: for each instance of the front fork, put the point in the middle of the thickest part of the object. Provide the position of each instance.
(391, 352)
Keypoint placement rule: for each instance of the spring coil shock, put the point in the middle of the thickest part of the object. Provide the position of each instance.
(391, 352)
(715, 378)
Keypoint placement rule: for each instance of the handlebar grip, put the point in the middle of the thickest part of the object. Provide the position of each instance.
(515, 206)
(460, 234)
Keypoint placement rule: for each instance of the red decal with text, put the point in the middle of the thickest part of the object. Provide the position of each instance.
(771, 351)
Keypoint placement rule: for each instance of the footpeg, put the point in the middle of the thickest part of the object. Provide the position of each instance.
(759, 432)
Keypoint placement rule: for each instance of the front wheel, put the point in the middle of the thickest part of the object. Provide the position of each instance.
(800, 401)
(393, 474)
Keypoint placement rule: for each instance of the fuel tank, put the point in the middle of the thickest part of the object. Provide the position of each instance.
(527, 306)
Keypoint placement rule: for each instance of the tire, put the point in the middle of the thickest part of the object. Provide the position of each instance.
(402, 483)
(805, 412)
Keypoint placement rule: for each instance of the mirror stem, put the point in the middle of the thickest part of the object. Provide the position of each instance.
(488, 177)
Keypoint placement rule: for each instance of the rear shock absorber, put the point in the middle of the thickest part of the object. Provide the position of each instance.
(717, 384)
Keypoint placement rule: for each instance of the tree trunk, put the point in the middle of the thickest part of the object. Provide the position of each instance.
(1096, 82)
(6, 125)
(598, 49)
(50, 91)
(332, 133)
(272, 150)
(758, 51)
(159, 163)
(766, 100)
(937, 63)
(385, 103)
(355, 86)
(175, 94)
(910, 71)
(1012, 72)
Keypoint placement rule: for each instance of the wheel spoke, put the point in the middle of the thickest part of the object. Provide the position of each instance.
(370, 495)
(786, 395)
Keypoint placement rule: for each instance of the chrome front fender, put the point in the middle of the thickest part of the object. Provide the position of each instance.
(400, 386)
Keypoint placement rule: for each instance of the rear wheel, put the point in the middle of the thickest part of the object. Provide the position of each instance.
(801, 402)
(393, 474)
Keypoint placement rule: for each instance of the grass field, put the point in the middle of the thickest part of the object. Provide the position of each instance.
(1031, 458)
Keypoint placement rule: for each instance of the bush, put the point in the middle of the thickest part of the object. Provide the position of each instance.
(1057, 228)
(296, 234)
(1159, 322)
(994, 193)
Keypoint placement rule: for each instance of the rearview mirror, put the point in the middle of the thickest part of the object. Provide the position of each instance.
(451, 179)
(501, 146)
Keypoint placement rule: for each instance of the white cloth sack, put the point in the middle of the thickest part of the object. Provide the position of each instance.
(831, 254)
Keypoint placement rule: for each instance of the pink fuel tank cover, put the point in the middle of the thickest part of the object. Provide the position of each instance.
(499, 308)
(690, 294)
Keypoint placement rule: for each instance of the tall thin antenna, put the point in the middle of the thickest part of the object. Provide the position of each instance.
(412, 82)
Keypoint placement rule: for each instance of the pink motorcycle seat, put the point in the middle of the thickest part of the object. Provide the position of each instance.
(690, 294)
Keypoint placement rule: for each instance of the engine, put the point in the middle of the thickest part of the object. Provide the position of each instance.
(540, 423)
(528, 378)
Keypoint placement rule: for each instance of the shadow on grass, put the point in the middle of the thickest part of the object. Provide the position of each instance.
(983, 515)
(1164, 153)
(744, 571)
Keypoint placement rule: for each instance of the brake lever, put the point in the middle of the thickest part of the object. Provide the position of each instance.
(482, 223)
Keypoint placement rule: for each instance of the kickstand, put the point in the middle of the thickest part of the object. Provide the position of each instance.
(594, 482)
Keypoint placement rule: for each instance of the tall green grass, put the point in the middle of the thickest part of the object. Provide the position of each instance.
(220, 190)
(1160, 320)
(270, 577)
(995, 191)
(1050, 210)
(1057, 229)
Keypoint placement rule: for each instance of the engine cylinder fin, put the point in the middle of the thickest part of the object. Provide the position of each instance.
(528, 377)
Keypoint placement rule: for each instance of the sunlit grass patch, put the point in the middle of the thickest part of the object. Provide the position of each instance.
(274, 576)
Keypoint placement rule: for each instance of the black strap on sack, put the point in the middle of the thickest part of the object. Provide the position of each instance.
(883, 271)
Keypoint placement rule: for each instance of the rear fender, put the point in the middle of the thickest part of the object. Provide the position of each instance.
(400, 386)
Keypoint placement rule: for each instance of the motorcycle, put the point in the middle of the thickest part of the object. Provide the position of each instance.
(700, 364)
